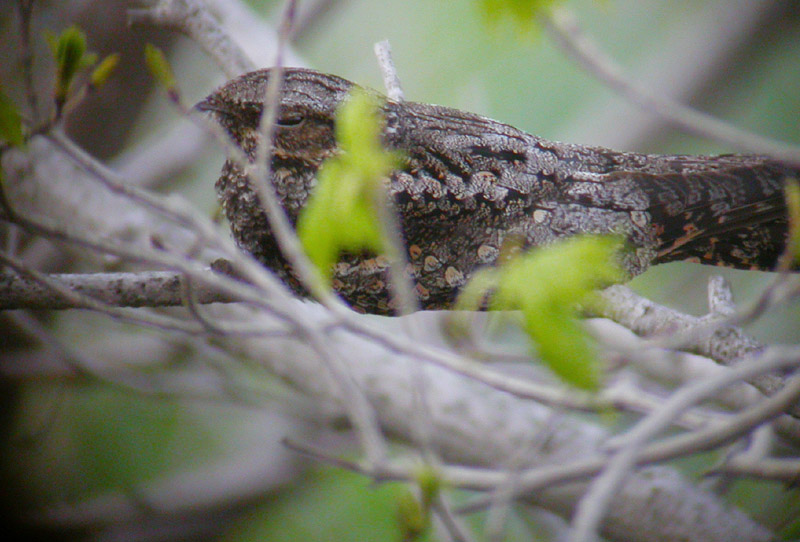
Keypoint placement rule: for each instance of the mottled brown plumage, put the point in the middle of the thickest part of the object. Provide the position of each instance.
(470, 182)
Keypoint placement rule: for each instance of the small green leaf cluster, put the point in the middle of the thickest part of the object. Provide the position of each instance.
(342, 213)
(71, 56)
(548, 285)
(69, 51)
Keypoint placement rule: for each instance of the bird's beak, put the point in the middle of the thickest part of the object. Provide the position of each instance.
(209, 104)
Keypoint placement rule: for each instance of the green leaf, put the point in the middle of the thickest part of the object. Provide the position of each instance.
(104, 70)
(161, 71)
(69, 51)
(457, 324)
(563, 345)
(342, 213)
(430, 485)
(331, 505)
(547, 285)
(414, 514)
(10, 121)
(792, 194)
(522, 13)
(411, 516)
(473, 295)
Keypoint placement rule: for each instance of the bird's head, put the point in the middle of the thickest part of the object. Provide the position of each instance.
(304, 124)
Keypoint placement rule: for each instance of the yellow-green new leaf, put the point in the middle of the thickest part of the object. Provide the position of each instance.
(522, 13)
(411, 516)
(474, 294)
(562, 343)
(334, 221)
(792, 194)
(342, 213)
(159, 68)
(104, 70)
(547, 285)
(10, 122)
(69, 51)
(430, 485)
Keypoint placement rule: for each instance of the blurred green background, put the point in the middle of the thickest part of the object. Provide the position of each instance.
(88, 459)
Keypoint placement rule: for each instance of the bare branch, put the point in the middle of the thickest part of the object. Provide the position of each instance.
(564, 28)
(192, 18)
(143, 289)
(405, 299)
(25, 11)
(383, 51)
(596, 501)
(712, 337)
(780, 470)
(470, 430)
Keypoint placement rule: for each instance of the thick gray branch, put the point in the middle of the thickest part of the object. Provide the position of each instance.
(471, 423)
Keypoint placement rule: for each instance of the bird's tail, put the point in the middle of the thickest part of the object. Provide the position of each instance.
(731, 212)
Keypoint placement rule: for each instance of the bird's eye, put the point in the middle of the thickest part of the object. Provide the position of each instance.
(290, 119)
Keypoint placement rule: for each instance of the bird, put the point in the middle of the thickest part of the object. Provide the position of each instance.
(468, 184)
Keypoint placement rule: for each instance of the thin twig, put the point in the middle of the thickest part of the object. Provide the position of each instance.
(391, 81)
(263, 291)
(163, 288)
(192, 18)
(25, 8)
(670, 448)
(85, 301)
(259, 177)
(405, 298)
(564, 28)
(174, 209)
(454, 526)
(141, 289)
(780, 470)
(716, 336)
(592, 506)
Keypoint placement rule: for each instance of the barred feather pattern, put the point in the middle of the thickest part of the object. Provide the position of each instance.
(468, 184)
